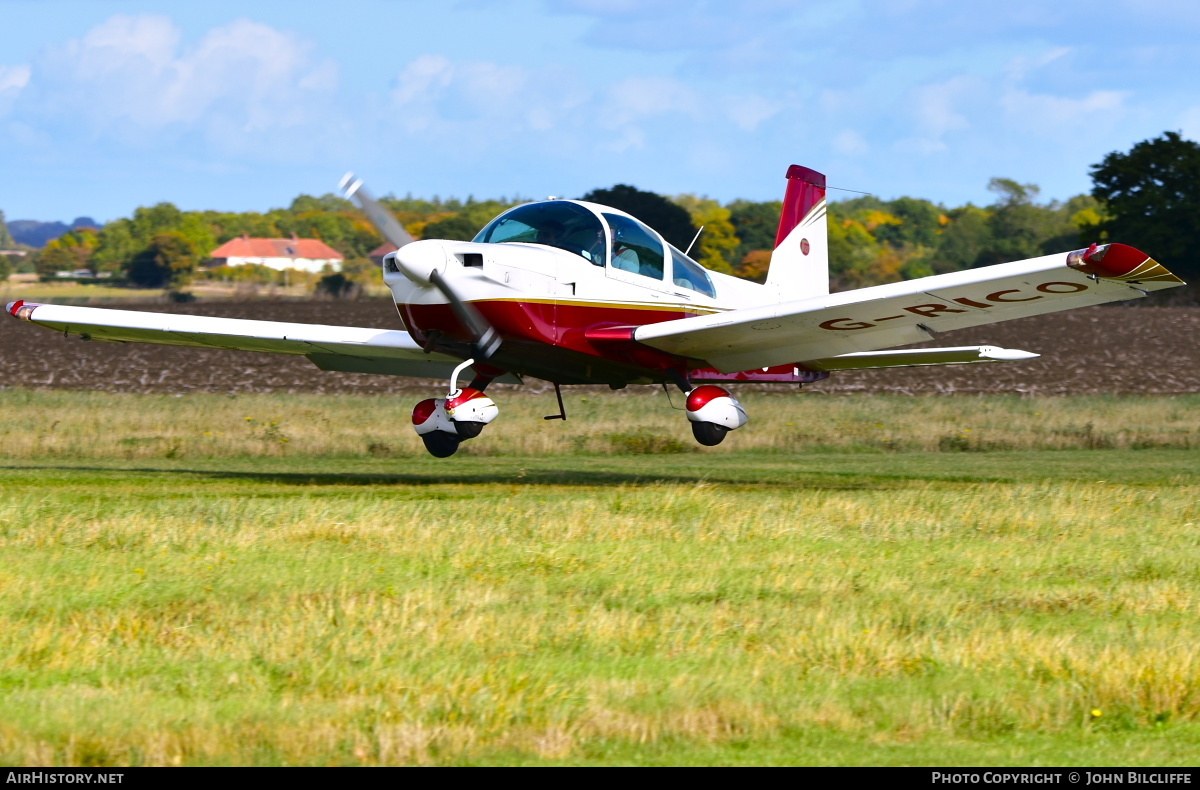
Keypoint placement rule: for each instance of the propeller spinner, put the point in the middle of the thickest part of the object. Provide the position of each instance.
(485, 340)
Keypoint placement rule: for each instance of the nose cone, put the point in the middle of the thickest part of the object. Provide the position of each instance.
(418, 260)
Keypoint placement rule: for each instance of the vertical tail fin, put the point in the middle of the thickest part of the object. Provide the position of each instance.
(800, 263)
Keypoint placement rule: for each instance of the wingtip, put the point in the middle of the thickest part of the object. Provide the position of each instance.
(1007, 354)
(22, 309)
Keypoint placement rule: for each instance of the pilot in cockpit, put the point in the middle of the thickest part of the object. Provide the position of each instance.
(553, 233)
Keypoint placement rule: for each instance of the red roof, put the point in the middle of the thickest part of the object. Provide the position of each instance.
(383, 249)
(245, 247)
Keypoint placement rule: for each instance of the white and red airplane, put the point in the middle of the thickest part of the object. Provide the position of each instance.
(580, 293)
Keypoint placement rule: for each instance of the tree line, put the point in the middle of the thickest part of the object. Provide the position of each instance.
(1148, 196)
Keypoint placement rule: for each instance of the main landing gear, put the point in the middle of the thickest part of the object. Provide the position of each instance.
(713, 413)
(444, 423)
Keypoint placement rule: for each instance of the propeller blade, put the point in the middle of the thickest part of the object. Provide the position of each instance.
(380, 217)
(484, 337)
(485, 340)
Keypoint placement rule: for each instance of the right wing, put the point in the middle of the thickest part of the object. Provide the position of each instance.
(913, 311)
(342, 348)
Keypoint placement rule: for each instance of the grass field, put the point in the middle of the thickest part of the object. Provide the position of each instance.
(883, 580)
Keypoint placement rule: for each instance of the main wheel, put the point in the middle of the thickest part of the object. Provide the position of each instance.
(468, 430)
(440, 444)
(709, 434)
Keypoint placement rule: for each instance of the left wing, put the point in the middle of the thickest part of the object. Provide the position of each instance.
(908, 312)
(343, 348)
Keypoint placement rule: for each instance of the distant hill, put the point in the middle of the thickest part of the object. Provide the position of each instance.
(36, 234)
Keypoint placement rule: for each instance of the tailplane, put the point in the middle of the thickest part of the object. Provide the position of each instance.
(800, 263)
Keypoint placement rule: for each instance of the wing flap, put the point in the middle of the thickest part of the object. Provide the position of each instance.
(890, 315)
(959, 355)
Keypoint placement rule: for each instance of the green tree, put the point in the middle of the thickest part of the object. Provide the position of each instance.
(920, 222)
(464, 225)
(327, 202)
(1152, 197)
(168, 261)
(852, 252)
(718, 243)
(116, 247)
(6, 239)
(1018, 225)
(669, 219)
(67, 253)
(755, 225)
(965, 237)
(52, 260)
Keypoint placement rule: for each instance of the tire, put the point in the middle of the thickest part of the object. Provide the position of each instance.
(709, 434)
(468, 430)
(440, 444)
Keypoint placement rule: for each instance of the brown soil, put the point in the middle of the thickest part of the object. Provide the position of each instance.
(1098, 349)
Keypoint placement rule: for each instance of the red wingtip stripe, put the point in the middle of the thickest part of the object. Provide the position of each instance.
(13, 307)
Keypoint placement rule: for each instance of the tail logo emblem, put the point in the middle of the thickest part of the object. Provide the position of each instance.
(805, 246)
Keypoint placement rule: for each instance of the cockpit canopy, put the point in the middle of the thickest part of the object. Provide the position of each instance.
(574, 228)
(558, 223)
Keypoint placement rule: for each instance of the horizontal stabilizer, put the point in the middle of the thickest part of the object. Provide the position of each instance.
(913, 357)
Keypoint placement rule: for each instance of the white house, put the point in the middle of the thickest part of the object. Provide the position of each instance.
(310, 255)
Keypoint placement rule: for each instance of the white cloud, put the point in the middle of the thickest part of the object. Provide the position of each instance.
(244, 86)
(935, 113)
(475, 104)
(750, 111)
(13, 78)
(850, 143)
(638, 97)
(934, 106)
(1045, 113)
(478, 102)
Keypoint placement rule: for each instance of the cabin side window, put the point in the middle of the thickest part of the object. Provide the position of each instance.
(686, 273)
(635, 248)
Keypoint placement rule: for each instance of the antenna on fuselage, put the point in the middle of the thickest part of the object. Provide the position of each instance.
(689, 249)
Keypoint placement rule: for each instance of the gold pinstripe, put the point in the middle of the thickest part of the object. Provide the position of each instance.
(671, 307)
(1149, 270)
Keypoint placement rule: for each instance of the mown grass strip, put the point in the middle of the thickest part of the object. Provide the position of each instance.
(1001, 607)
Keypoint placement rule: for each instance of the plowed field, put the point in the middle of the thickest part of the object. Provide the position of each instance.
(1101, 349)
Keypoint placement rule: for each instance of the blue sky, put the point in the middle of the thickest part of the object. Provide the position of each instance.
(107, 105)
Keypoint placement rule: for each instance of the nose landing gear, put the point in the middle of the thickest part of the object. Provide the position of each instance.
(713, 413)
(444, 423)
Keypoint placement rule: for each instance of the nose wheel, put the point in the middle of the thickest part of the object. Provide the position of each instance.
(445, 423)
(441, 444)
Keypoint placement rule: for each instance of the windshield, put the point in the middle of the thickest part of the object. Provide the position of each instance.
(635, 248)
(686, 273)
(556, 224)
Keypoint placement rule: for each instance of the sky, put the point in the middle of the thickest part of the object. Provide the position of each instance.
(106, 105)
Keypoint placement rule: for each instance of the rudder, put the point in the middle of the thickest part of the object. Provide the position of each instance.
(800, 262)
